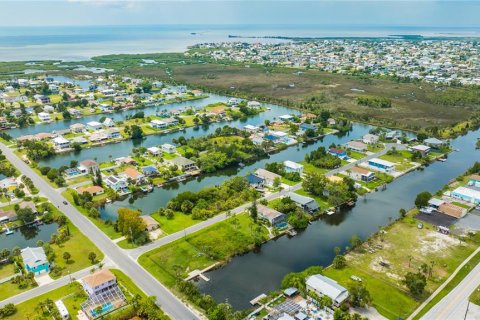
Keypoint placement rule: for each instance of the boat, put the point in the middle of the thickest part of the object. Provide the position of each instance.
(8, 232)
(442, 159)
(108, 200)
(330, 212)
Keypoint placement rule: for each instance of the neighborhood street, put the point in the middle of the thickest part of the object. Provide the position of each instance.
(168, 302)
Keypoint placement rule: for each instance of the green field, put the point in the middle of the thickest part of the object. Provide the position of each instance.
(200, 250)
(179, 222)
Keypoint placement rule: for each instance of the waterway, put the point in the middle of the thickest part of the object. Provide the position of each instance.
(160, 196)
(27, 236)
(249, 275)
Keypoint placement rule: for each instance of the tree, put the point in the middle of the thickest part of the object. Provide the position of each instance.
(254, 211)
(339, 262)
(67, 256)
(422, 199)
(92, 256)
(415, 282)
(26, 215)
(359, 295)
(136, 132)
(130, 225)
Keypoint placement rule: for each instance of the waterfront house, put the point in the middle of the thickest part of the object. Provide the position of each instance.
(41, 99)
(158, 124)
(255, 181)
(183, 163)
(434, 142)
(391, 135)
(251, 128)
(93, 190)
(88, 166)
(98, 282)
(307, 126)
(171, 121)
(331, 122)
(474, 180)
(133, 175)
(306, 203)
(117, 184)
(77, 128)
(108, 123)
(44, 117)
(45, 136)
(422, 149)
(7, 215)
(254, 104)
(94, 125)
(338, 152)
(113, 133)
(452, 210)
(361, 174)
(149, 171)
(267, 176)
(105, 108)
(324, 286)
(48, 109)
(273, 216)
(381, 165)
(291, 166)
(3, 122)
(155, 151)
(356, 146)
(168, 148)
(74, 112)
(286, 117)
(98, 136)
(35, 260)
(150, 223)
(125, 160)
(61, 143)
(435, 203)
(467, 194)
(370, 138)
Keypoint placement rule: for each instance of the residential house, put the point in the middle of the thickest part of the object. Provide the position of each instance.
(286, 117)
(251, 128)
(273, 216)
(133, 175)
(391, 135)
(105, 108)
(255, 181)
(99, 282)
(7, 215)
(307, 126)
(158, 124)
(155, 151)
(306, 203)
(184, 163)
(168, 148)
(338, 152)
(435, 203)
(44, 117)
(94, 125)
(381, 165)
(98, 136)
(48, 109)
(35, 260)
(452, 210)
(41, 99)
(267, 176)
(89, 166)
(116, 183)
(150, 223)
(113, 133)
(324, 286)
(108, 123)
(171, 121)
(9, 183)
(474, 180)
(3, 122)
(434, 142)
(370, 138)
(93, 190)
(77, 128)
(149, 171)
(356, 146)
(125, 160)
(361, 174)
(291, 166)
(331, 122)
(422, 149)
(74, 112)
(61, 143)
(254, 104)
(44, 136)
(467, 194)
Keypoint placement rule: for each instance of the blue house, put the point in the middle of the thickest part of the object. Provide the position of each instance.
(255, 180)
(35, 260)
(149, 171)
(338, 152)
(307, 126)
(381, 165)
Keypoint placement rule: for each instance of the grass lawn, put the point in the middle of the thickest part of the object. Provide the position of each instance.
(375, 147)
(179, 222)
(356, 155)
(310, 168)
(405, 248)
(78, 180)
(202, 249)
(6, 270)
(169, 156)
(462, 205)
(475, 297)
(289, 182)
(107, 229)
(8, 289)
(399, 157)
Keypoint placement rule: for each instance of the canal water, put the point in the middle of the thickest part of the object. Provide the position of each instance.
(27, 236)
(249, 275)
(160, 196)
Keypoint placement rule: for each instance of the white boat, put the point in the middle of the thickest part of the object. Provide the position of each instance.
(108, 200)
(8, 232)
(330, 212)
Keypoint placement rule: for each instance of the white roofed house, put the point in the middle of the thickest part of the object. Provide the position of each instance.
(422, 149)
(291, 166)
(254, 104)
(48, 109)
(356, 146)
(61, 143)
(94, 125)
(77, 128)
(113, 133)
(158, 124)
(184, 163)
(168, 148)
(117, 184)
(108, 123)
(35, 260)
(324, 286)
(154, 151)
(44, 117)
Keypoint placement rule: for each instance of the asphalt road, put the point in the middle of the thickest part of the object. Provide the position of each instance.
(146, 282)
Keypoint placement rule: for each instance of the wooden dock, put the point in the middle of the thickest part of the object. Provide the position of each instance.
(200, 273)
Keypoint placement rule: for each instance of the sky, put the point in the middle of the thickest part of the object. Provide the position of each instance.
(341, 13)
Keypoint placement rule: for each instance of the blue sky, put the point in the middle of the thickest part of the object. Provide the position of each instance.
(340, 13)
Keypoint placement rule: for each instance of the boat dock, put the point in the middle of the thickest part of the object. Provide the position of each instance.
(200, 273)
(256, 300)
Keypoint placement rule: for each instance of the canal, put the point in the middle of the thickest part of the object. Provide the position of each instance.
(27, 236)
(151, 202)
(249, 275)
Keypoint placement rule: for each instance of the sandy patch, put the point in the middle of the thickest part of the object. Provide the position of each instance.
(434, 242)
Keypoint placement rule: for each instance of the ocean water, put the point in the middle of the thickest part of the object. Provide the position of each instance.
(80, 43)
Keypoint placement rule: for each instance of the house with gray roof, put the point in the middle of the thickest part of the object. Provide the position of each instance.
(35, 260)
(324, 286)
(306, 203)
(184, 163)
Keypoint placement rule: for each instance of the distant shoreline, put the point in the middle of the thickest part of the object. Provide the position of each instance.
(411, 37)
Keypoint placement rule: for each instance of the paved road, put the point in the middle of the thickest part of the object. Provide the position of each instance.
(135, 253)
(168, 302)
(454, 305)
